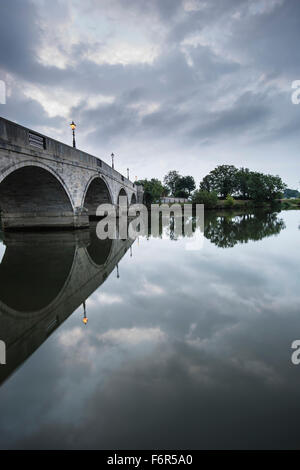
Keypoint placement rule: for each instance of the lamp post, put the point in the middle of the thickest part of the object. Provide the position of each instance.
(112, 160)
(73, 127)
(118, 275)
(85, 320)
(128, 173)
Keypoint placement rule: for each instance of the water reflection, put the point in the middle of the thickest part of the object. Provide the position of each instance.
(44, 277)
(226, 230)
(183, 350)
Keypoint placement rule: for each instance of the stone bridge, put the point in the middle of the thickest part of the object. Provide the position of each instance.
(45, 183)
(44, 278)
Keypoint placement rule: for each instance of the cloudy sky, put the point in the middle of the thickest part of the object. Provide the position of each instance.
(164, 84)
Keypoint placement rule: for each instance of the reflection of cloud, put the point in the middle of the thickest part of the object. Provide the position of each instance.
(193, 5)
(150, 289)
(203, 366)
(262, 370)
(108, 299)
(71, 337)
(176, 398)
(133, 335)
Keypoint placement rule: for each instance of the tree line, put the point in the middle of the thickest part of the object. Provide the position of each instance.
(227, 181)
(173, 184)
(224, 182)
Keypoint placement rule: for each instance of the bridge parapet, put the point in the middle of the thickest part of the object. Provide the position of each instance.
(46, 183)
(36, 143)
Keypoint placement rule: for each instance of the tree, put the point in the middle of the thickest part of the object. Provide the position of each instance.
(184, 185)
(206, 184)
(171, 179)
(209, 199)
(188, 183)
(256, 188)
(229, 201)
(265, 187)
(223, 179)
(274, 186)
(242, 179)
(227, 180)
(181, 192)
(153, 190)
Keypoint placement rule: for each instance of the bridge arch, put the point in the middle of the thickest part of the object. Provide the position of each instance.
(133, 199)
(96, 192)
(32, 195)
(122, 192)
(30, 163)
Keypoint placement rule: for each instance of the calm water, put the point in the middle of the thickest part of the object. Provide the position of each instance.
(182, 349)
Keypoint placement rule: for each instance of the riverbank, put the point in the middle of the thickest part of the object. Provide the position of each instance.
(222, 204)
(290, 203)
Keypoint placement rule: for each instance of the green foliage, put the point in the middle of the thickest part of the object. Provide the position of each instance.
(265, 187)
(243, 177)
(291, 204)
(181, 193)
(153, 190)
(171, 179)
(187, 184)
(206, 184)
(179, 186)
(243, 183)
(209, 199)
(229, 201)
(223, 180)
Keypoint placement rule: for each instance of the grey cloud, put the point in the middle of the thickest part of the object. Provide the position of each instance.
(242, 117)
(270, 40)
(254, 45)
(19, 35)
(22, 109)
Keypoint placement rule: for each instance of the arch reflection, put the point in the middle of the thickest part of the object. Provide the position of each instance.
(44, 278)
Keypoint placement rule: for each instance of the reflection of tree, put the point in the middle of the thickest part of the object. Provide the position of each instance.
(225, 231)
(224, 228)
(185, 227)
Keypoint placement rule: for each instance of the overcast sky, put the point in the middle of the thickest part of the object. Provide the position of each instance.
(164, 84)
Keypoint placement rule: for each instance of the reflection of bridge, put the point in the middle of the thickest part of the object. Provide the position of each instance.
(44, 183)
(43, 279)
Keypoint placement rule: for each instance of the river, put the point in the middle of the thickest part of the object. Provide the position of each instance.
(181, 349)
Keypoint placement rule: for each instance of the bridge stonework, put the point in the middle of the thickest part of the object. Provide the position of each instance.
(45, 183)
